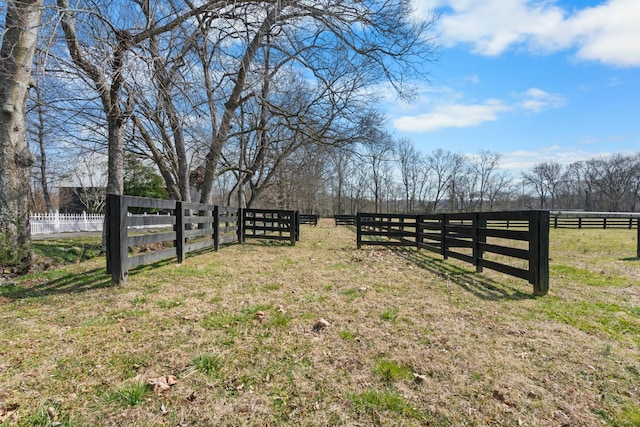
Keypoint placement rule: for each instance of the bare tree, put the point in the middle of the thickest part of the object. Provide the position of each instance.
(445, 166)
(101, 52)
(409, 160)
(544, 178)
(343, 45)
(16, 57)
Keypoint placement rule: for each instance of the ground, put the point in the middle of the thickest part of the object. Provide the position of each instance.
(325, 334)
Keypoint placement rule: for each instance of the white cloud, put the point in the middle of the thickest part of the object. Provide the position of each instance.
(608, 32)
(453, 114)
(537, 100)
(522, 160)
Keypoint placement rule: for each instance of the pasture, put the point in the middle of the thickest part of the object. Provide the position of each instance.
(322, 333)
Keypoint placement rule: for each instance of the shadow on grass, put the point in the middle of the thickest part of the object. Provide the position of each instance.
(482, 287)
(66, 284)
(630, 259)
(71, 283)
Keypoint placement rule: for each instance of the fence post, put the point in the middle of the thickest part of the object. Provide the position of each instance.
(539, 252)
(443, 236)
(293, 227)
(117, 245)
(216, 228)
(479, 221)
(638, 238)
(297, 227)
(240, 225)
(358, 231)
(179, 229)
(419, 231)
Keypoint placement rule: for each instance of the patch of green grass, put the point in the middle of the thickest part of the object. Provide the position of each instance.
(390, 371)
(587, 277)
(629, 415)
(48, 415)
(208, 364)
(272, 286)
(129, 395)
(352, 294)
(10, 288)
(170, 303)
(593, 316)
(225, 320)
(373, 402)
(278, 320)
(389, 314)
(128, 364)
(347, 335)
(139, 300)
(67, 251)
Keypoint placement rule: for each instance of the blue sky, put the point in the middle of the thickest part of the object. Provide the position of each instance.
(533, 80)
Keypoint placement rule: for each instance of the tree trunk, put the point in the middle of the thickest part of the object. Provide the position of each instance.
(16, 57)
(43, 154)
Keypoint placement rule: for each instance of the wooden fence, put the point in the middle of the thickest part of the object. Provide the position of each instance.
(271, 224)
(309, 219)
(577, 219)
(477, 238)
(345, 219)
(134, 240)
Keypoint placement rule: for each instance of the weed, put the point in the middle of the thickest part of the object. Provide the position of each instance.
(374, 401)
(139, 300)
(389, 314)
(170, 303)
(390, 371)
(347, 335)
(129, 395)
(208, 364)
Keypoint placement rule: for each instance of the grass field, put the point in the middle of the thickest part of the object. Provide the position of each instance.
(405, 339)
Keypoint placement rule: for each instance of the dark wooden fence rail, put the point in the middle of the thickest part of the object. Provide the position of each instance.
(309, 219)
(271, 224)
(345, 219)
(134, 240)
(576, 219)
(472, 238)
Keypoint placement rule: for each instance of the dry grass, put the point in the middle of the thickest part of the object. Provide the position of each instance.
(411, 340)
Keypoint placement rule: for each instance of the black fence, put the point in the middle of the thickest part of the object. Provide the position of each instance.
(271, 224)
(481, 239)
(179, 228)
(568, 219)
(345, 219)
(310, 219)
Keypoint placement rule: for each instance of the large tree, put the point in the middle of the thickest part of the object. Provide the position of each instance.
(341, 46)
(16, 57)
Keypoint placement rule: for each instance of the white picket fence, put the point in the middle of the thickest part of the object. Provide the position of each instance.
(62, 223)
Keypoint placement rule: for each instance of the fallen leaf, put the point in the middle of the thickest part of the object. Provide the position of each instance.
(163, 383)
(8, 412)
(500, 396)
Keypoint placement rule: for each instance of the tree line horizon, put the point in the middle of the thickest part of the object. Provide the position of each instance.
(406, 181)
